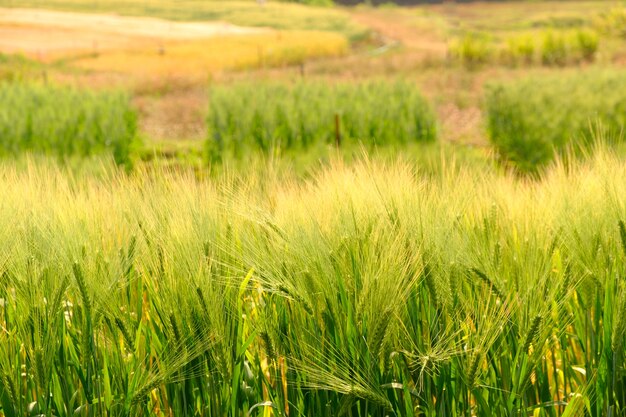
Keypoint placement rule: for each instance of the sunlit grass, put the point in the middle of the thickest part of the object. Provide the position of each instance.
(219, 53)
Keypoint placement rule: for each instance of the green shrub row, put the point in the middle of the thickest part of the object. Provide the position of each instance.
(275, 117)
(551, 48)
(531, 120)
(65, 121)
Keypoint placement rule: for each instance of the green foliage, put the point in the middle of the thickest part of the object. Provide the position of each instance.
(588, 43)
(65, 121)
(367, 291)
(554, 49)
(562, 48)
(520, 50)
(612, 22)
(546, 47)
(472, 50)
(279, 117)
(530, 120)
(569, 47)
(19, 68)
(560, 22)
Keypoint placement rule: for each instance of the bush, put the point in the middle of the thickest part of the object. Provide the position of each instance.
(554, 49)
(560, 22)
(561, 48)
(612, 22)
(587, 42)
(546, 47)
(275, 117)
(520, 49)
(65, 121)
(472, 50)
(530, 120)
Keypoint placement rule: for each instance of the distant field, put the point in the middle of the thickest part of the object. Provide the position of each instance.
(65, 122)
(150, 46)
(299, 117)
(449, 50)
(284, 16)
(201, 57)
(51, 34)
(510, 16)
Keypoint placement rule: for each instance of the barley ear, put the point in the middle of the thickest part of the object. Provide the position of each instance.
(532, 332)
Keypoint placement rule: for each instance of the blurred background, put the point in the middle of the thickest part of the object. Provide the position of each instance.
(167, 55)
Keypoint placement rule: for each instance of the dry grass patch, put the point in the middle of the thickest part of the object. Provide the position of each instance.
(228, 52)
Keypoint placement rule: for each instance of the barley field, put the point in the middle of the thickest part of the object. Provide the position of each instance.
(529, 121)
(370, 289)
(303, 115)
(65, 121)
(242, 208)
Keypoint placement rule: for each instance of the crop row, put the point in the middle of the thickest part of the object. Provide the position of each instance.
(299, 116)
(551, 48)
(529, 121)
(65, 121)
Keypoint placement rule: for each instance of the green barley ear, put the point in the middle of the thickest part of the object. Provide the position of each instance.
(472, 370)
(128, 257)
(492, 286)
(145, 234)
(453, 284)
(82, 288)
(430, 284)
(9, 388)
(379, 332)
(161, 261)
(57, 302)
(269, 345)
(40, 367)
(175, 329)
(86, 339)
(132, 248)
(371, 397)
(206, 250)
(125, 334)
(198, 326)
(219, 353)
(567, 281)
(619, 324)
(296, 297)
(532, 332)
(622, 235)
(202, 300)
(140, 396)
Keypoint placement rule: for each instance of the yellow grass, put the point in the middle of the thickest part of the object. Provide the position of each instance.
(198, 57)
